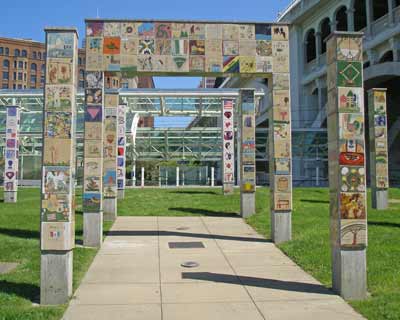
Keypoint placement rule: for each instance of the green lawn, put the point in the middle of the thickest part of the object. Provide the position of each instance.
(19, 241)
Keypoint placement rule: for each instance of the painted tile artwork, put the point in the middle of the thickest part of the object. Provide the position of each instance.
(228, 149)
(121, 120)
(110, 43)
(57, 204)
(346, 129)
(11, 149)
(378, 139)
(248, 146)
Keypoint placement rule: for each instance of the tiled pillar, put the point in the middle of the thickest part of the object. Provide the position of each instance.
(11, 154)
(346, 149)
(378, 148)
(228, 146)
(121, 159)
(57, 232)
(93, 159)
(111, 103)
(280, 143)
(248, 153)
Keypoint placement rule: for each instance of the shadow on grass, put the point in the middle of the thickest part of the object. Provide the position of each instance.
(258, 282)
(161, 233)
(24, 290)
(384, 224)
(193, 192)
(205, 212)
(314, 201)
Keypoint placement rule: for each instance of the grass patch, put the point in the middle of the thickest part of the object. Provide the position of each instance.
(19, 242)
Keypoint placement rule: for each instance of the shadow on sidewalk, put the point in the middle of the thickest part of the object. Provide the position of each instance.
(258, 282)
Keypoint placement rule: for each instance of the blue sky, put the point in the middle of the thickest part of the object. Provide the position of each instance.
(27, 18)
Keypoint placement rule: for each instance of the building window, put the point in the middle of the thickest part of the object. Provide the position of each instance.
(360, 15)
(15, 76)
(311, 51)
(79, 60)
(397, 3)
(40, 55)
(20, 64)
(325, 32)
(14, 86)
(33, 78)
(15, 64)
(1, 50)
(387, 57)
(81, 73)
(81, 84)
(7, 51)
(6, 75)
(34, 55)
(20, 76)
(42, 79)
(379, 8)
(17, 52)
(341, 19)
(5, 85)
(6, 64)
(43, 68)
(33, 67)
(20, 86)
(24, 53)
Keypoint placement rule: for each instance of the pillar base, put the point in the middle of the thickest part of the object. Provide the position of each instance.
(10, 196)
(380, 199)
(92, 229)
(55, 277)
(228, 189)
(247, 204)
(109, 209)
(281, 226)
(349, 273)
(121, 194)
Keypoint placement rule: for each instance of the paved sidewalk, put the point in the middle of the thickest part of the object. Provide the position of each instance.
(136, 275)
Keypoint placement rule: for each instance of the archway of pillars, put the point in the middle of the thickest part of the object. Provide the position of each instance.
(130, 48)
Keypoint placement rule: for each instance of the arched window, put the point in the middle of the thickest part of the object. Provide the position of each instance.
(387, 57)
(33, 67)
(7, 51)
(341, 19)
(24, 53)
(6, 64)
(311, 52)
(17, 52)
(379, 8)
(360, 15)
(325, 32)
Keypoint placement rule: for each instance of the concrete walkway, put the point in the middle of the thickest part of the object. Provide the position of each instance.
(136, 275)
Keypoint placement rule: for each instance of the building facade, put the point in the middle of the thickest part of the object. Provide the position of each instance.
(311, 23)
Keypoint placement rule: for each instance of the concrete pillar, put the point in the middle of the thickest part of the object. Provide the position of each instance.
(121, 151)
(280, 149)
(350, 19)
(142, 178)
(318, 45)
(248, 153)
(379, 159)
(347, 177)
(110, 187)
(177, 176)
(395, 45)
(370, 16)
(228, 146)
(391, 13)
(11, 153)
(57, 230)
(212, 176)
(93, 162)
